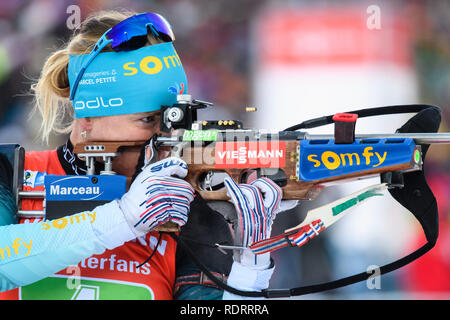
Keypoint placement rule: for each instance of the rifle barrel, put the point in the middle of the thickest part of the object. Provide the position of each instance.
(419, 138)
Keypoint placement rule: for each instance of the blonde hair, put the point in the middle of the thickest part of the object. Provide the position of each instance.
(51, 92)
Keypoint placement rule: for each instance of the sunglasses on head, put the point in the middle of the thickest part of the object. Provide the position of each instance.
(128, 34)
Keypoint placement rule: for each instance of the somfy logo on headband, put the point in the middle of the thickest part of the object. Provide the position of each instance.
(97, 103)
(151, 65)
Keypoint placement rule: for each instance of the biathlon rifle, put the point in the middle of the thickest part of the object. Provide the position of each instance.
(302, 164)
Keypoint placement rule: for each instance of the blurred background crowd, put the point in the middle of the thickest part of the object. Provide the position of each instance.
(230, 51)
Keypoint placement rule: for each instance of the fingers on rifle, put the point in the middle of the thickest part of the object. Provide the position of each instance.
(233, 191)
(164, 207)
(155, 215)
(257, 217)
(271, 192)
(254, 197)
(178, 186)
(179, 217)
(241, 205)
(241, 196)
(170, 186)
(168, 167)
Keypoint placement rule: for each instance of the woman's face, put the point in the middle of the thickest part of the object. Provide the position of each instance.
(127, 127)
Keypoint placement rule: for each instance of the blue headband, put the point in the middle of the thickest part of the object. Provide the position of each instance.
(126, 82)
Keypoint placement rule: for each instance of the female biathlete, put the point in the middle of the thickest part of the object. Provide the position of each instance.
(113, 77)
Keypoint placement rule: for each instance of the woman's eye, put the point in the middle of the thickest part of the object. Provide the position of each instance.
(148, 119)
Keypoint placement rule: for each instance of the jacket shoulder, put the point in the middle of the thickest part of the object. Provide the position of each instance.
(43, 161)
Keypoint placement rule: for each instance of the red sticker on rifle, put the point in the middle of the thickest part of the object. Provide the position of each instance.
(241, 154)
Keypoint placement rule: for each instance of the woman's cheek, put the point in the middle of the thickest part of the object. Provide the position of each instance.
(137, 133)
(125, 163)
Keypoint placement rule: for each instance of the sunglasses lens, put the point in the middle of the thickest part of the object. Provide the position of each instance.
(161, 25)
(131, 29)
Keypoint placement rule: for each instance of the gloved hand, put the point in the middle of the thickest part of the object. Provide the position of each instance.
(156, 197)
(257, 205)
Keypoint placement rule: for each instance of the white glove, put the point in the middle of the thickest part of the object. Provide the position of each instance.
(257, 205)
(156, 197)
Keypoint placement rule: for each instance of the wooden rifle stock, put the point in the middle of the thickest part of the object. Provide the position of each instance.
(294, 188)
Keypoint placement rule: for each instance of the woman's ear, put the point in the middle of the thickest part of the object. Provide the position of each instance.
(85, 124)
(81, 129)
